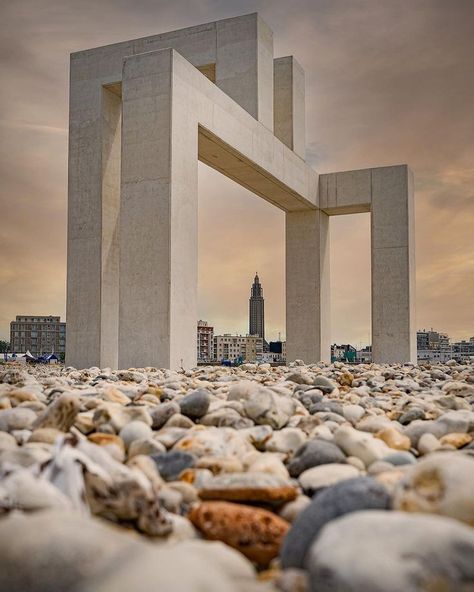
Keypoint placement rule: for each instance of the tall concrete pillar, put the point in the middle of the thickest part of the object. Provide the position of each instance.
(158, 218)
(393, 265)
(93, 206)
(307, 286)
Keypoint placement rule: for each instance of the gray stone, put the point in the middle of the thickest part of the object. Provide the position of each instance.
(344, 497)
(161, 413)
(377, 551)
(196, 404)
(135, 430)
(171, 464)
(400, 458)
(324, 384)
(314, 453)
(411, 415)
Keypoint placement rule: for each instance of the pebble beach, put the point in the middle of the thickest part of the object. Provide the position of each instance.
(299, 478)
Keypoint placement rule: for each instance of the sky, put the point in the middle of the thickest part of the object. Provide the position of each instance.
(387, 82)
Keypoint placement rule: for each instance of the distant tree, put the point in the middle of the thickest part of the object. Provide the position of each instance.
(4, 346)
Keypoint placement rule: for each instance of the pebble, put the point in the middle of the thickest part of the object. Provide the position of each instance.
(196, 404)
(249, 487)
(325, 475)
(441, 483)
(313, 453)
(342, 498)
(142, 448)
(171, 464)
(440, 552)
(255, 532)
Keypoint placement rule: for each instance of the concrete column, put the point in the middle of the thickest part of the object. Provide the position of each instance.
(393, 265)
(158, 218)
(244, 64)
(289, 103)
(307, 286)
(93, 203)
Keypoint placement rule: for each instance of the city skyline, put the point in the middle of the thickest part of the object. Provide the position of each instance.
(375, 98)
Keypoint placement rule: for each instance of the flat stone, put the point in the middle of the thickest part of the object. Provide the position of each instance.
(214, 441)
(220, 464)
(248, 487)
(292, 509)
(47, 435)
(171, 464)
(267, 462)
(428, 443)
(313, 453)
(411, 415)
(26, 492)
(196, 404)
(456, 440)
(255, 532)
(146, 446)
(325, 475)
(342, 498)
(399, 458)
(441, 483)
(324, 384)
(440, 553)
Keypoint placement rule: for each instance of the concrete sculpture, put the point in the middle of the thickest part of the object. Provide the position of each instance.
(142, 113)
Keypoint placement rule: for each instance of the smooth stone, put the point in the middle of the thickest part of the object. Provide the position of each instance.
(258, 435)
(226, 417)
(356, 462)
(335, 501)
(324, 384)
(292, 580)
(135, 430)
(292, 509)
(313, 453)
(411, 415)
(242, 390)
(47, 435)
(170, 499)
(380, 466)
(360, 444)
(220, 464)
(169, 436)
(196, 404)
(248, 487)
(353, 413)
(26, 492)
(161, 413)
(102, 439)
(456, 440)
(171, 464)
(394, 439)
(18, 418)
(399, 458)
(119, 416)
(368, 551)
(428, 443)
(24, 457)
(188, 492)
(60, 414)
(441, 483)
(7, 441)
(146, 446)
(373, 423)
(255, 532)
(326, 405)
(179, 421)
(114, 395)
(286, 440)
(322, 432)
(325, 475)
(266, 407)
(215, 442)
(267, 462)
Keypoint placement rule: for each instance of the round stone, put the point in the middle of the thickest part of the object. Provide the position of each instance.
(135, 430)
(171, 464)
(325, 475)
(196, 404)
(344, 497)
(313, 453)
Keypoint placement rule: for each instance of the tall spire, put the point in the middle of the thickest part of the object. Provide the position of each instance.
(256, 309)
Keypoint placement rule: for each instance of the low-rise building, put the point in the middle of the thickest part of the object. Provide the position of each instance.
(205, 342)
(38, 334)
(245, 348)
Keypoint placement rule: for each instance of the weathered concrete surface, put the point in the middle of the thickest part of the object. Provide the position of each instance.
(131, 297)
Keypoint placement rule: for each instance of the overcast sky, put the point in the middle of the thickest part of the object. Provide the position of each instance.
(387, 82)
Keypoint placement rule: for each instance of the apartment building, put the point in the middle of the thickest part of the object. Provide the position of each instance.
(38, 334)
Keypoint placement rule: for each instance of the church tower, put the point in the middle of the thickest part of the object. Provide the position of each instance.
(256, 309)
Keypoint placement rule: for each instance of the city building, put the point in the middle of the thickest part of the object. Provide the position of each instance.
(38, 335)
(433, 346)
(343, 353)
(248, 348)
(276, 352)
(364, 355)
(257, 309)
(205, 341)
(463, 351)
